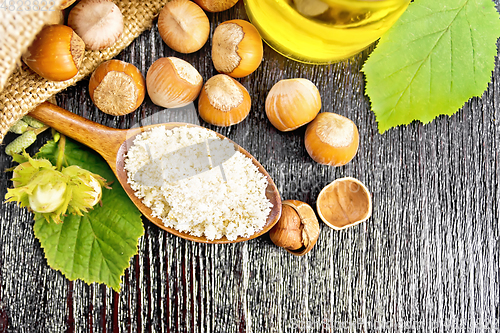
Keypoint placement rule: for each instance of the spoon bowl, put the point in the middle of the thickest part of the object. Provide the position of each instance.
(113, 144)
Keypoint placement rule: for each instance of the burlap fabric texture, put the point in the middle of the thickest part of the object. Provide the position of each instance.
(22, 88)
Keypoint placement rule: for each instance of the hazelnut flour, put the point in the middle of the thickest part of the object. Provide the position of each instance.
(197, 183)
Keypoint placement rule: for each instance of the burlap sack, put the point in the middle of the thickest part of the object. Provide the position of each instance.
(22, 88)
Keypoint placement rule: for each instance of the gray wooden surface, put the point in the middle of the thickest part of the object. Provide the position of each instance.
(427, 261)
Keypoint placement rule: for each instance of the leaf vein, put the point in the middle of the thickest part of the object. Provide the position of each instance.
(473, 48)
(400, 70)
(98, 240)
(398, 50)
(425, 59)
(432, 13)
(74, 244)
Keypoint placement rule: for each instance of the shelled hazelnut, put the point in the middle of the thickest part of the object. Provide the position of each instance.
(223, 101)
(332, 139)
(343, 203)
(236, 48)
(297, 229)
(172, 82)
(56, 53)
(98, 22)
(292, 103)
(183, 26)
(117, 87)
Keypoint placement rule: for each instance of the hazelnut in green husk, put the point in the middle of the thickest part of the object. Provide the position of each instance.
(52, 193)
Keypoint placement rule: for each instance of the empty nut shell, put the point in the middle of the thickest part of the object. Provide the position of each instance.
(344, 203)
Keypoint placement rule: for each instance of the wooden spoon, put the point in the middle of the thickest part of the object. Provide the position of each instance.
(112, 144)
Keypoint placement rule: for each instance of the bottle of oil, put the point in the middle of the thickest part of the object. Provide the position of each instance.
(323, 31)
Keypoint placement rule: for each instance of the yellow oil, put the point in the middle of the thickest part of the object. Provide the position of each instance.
(323, 31)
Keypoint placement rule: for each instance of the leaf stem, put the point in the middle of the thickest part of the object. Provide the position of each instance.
(40, 130)
(61, 145)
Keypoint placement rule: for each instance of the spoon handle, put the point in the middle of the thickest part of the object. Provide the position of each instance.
(104, 140)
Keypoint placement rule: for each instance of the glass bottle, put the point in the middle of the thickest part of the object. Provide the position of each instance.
(323, 31)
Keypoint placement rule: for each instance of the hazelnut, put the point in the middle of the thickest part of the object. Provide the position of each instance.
(98, 22)
(343, 203)
(297, 229)
(292, 103)
(183, 26)
(117, 87)
(56, 53)
(66, 3)
(332, 139)
(172, 82)
(236, 48)
(216, 5)
(223, 101)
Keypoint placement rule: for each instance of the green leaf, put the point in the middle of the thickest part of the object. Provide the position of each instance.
(438, 55)
(97, 246)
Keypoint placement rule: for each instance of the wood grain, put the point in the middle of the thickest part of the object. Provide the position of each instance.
(113, 144)
(427, 261)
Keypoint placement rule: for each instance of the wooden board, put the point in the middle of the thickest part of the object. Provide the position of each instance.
(427, 261)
